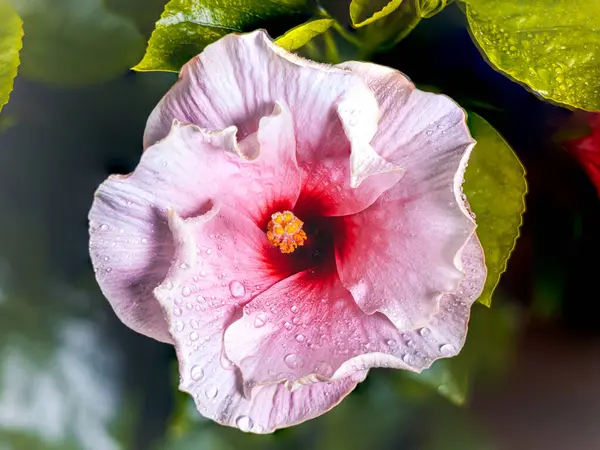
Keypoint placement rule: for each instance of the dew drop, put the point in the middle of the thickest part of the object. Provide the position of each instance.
(323, 368)
(177, 311)
(294, 309)
(194, 336)
(183, 266)
(211, 391)
(185, 291)
(406, 358)
(237, 289)
(391, 342)
(194, 324)
(179, 325)
(244, 423)
(300, 338)
(208, 251)
(104, 227)
(410, 344)
(196, 373)
(293, 361)
(447, 349)
(424, 331)
(288, 325)
(200, 299)
(260, 320)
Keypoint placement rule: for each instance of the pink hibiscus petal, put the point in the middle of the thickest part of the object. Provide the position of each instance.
(307, 329)
(236, 80)
(130, 244)
(401, 254)
(201, 295)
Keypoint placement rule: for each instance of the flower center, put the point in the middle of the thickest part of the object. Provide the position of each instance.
(285, 231)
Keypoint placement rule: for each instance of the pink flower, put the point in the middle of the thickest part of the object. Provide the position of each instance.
(289, 226)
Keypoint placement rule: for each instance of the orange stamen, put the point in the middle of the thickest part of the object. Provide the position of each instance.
(285, 231)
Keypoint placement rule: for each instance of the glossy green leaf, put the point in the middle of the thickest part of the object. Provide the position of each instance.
(364, 12)
(495, 188)
(11, 32)
(300, 35)
(187, 26)
(76, 42)
(552, 46)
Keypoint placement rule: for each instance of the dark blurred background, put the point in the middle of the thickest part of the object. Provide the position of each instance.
(73, 377)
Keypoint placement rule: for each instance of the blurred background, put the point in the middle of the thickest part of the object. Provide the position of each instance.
(73, 377)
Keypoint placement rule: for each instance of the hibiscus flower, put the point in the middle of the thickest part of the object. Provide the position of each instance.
(586, 150)
(291, 225)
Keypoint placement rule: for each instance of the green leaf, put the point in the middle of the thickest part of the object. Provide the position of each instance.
(187, 26)
(300, 35)
(386, 32)
(495, 188)
(364, 12)
(551, 46)
(429, 8)
(75, 42)
(11, 32)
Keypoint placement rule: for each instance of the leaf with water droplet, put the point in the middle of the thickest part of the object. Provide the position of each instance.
(550, 46)
(187, 26)
(495, 188)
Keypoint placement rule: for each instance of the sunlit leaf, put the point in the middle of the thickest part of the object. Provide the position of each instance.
(75, 42)
(551, 46)
(11, 32)
(364, 12)
(495, 188)
(187, 26)
(300, 35)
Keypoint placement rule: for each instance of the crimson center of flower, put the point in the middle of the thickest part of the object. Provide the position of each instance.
(284, 231)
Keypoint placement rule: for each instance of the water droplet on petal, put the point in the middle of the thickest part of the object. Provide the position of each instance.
(447, 349)
(237, 289)
(183, 265)
(211, 391)
(391, 342)
(244, 423)
(104, 227)
(293, 361)
(185, 291)
(288, 325)
(194, 324)
(323, 368)
(200, 299)
(179, 325)
(177, 311)
(196, 373)
(424, 331)
(300, 338)
(260, 320)
(294, 309)
(194, 336)
(406, 358)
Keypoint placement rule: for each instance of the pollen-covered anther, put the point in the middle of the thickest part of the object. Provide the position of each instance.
(285, 231)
